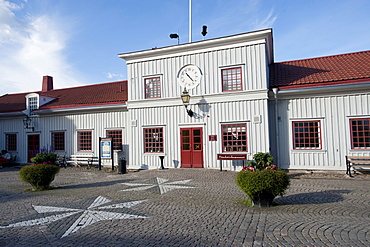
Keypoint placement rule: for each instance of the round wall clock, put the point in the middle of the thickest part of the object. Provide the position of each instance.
(189, 76)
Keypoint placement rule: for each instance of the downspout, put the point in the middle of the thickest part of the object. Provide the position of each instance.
(277, 141)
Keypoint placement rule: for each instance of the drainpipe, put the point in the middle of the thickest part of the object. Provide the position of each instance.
(277, 141)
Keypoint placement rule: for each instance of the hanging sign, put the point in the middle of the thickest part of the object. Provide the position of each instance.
(212, 138)
(231, 156)
(106, 148)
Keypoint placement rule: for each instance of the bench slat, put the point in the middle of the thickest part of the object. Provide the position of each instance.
(356, 161)
(358, 157)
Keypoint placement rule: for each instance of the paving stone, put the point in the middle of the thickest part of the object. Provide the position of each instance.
(181, 207)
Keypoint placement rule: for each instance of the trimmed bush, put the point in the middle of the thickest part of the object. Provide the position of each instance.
(39, 176)
(270, 181)
(42, 173)
(261, 180)
(44, 157)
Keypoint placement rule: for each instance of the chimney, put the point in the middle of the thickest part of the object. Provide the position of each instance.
(47, 83)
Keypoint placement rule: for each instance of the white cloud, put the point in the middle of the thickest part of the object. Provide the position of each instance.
(114, 75)
(30, 48)
(241, 16)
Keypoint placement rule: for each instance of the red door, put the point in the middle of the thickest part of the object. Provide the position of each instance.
(33, 146)
(191, 147)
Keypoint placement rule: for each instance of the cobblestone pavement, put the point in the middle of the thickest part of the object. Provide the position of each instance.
(181, 207)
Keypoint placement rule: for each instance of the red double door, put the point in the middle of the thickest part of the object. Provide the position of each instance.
(191, 147)
(33, 146)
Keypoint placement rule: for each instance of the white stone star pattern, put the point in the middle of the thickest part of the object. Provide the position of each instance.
(159, 185)
(95, 212)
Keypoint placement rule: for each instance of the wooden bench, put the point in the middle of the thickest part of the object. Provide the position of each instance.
(62, 160)
(11, 162)
(82, 159)
(356, 162)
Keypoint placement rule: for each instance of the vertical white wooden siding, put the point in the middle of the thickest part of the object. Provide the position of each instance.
(334, 112)
(97, 122)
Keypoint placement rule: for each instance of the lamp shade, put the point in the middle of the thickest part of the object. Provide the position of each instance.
(26, 122)
(185, 97)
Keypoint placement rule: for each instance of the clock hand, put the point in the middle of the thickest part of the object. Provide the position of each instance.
(189, 76)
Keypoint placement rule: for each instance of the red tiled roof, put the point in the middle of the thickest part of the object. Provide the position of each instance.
(91, 95)
(338, 69)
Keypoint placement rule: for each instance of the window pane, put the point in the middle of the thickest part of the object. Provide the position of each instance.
(360, 130)
(232, 79)
(153, 140)
(153, 87)
(84, 141)
(306, 135)
(116, 136)
(57, 139)
(11, 142)
(234, 137)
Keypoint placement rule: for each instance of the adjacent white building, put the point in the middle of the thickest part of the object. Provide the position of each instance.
(308, 113)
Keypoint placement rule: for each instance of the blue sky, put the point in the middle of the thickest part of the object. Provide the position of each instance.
(77, 41)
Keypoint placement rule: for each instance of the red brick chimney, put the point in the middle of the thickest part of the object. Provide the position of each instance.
(47, 83)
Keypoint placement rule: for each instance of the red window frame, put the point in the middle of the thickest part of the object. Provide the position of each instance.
(153, 140)
(152, 87)
(234, 137)
(360, 133)
(307, 135)
(84, 140)
(11, 142)
(116, 136)
(232, 79)
(58, 141)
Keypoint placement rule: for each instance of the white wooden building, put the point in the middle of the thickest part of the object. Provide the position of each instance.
(308, 113)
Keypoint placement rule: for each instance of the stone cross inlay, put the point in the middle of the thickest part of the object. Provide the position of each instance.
(76, 218)
(158, 185)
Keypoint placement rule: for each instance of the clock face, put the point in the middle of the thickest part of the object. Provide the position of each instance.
(189, 76)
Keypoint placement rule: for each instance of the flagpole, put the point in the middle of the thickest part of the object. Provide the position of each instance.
(190, 24)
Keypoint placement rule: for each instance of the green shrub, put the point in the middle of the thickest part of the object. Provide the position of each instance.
(44, 157)
(270, 181)
(261, 161)
(39, 176)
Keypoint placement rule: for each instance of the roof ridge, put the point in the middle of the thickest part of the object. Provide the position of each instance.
(323, 57)
(66, 88)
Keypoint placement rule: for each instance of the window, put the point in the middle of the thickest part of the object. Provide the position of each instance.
(153, 87)
(306, 134)
(11, 142)
(116, 136)
(32, 104)
(234, 137)
(84, 141)
(57, 140)
(232, 79)
(153, 140)
(360, 133)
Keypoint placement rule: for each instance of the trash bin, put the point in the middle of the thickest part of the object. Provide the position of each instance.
(122, 167)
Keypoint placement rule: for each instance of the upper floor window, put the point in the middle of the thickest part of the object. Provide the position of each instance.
(360, 133)
(57, 140)
(234, 137)
(32, 104)
(307, 134)
(232, 79)
(116, 136)
(152, 87)
(84, 140)
(11, 142)
(153, 140)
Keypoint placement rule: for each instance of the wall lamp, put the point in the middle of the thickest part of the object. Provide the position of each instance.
(185, 97)
(27, 122)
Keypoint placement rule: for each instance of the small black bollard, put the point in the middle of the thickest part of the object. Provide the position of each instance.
(162, 158)
(122, 167)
